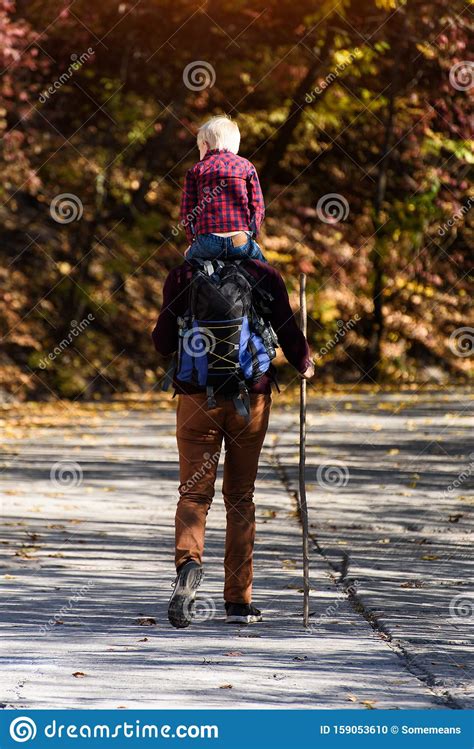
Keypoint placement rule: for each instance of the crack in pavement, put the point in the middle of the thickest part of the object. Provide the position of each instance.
(402, 651)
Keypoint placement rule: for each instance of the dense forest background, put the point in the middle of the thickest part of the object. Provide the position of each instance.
(356, 114)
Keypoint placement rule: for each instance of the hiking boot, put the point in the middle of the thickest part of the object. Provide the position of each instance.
(242, 613)
(181, 605)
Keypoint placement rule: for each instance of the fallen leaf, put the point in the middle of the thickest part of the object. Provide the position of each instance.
(415, 478)
(369, 704)
(226, 686)
(79, 674)
(26, 552)
(146, 621)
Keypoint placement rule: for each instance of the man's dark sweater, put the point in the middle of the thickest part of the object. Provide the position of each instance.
(176, 302)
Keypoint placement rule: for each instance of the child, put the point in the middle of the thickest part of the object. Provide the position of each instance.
(222, 205)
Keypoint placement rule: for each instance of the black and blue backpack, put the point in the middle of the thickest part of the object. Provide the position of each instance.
(226, 341)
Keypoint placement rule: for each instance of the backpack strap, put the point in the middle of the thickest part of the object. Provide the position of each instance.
(169, 375)
(211, 398)
(242, 402)
(255, 285)
(273, 378)
(200, 264)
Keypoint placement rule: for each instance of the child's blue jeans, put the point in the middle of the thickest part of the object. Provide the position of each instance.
(210, 246)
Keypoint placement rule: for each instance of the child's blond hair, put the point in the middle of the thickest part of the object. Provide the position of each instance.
(219, 132)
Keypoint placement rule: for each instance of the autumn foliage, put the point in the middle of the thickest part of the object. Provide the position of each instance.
(366, 100)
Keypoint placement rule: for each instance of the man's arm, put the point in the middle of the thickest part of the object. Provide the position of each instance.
(165, 334)
(292, 341)
(189, 199)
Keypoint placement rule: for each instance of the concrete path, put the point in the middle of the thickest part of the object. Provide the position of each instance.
(86, 562)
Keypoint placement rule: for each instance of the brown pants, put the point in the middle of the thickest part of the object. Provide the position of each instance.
(199, 434)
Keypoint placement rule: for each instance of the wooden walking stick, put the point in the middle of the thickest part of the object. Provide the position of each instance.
(303, 507)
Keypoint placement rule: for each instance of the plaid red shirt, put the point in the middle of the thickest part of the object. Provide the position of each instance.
(221, 193)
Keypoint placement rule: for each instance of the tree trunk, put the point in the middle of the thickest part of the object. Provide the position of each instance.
(374, 348)
(285, 133)
(152, 153)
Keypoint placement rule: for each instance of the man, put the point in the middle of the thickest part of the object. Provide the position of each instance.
(200, 433)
